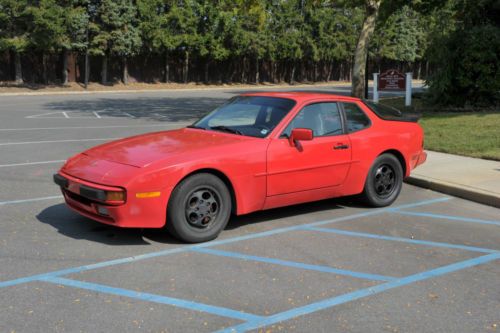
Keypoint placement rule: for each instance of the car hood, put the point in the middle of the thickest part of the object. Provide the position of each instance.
(142, 150)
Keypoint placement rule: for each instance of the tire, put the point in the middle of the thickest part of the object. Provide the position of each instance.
(384, 181)
(199, 208)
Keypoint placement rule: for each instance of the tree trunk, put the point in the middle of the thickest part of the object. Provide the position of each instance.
(242, 70)
(292, 73)
(232, 68)
(87, 69)
(257, 70)
(273, 71)
(361, 53)
(65, 67)
(104, 70)
(329, 73)
(186, 67)
(18, 68)
(45, 75)
(125, 71)
(167, 68)
(206, 70)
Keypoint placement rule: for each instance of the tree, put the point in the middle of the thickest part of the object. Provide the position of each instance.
(182, 24)
(48, 33)
(335, 30)
(400, 37)
(14, 31)
(215, 23)
(154, 27)
(76, 22)
(361, 54)
(118, 33)
(467, 58)
(287, 27)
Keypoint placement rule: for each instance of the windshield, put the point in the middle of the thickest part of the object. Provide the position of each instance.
(253, 116)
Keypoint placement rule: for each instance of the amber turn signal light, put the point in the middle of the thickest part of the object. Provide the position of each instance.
(144, 195)
(115, 196)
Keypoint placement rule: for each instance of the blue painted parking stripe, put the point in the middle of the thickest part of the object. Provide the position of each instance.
(216, 310)
(401, 239)
(212, 243)
(328, 303)
(84, 268)
(447, 217)
(280, 262)
(320, 223)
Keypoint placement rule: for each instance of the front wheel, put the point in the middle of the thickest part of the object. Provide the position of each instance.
(384, 181)
(199, 208)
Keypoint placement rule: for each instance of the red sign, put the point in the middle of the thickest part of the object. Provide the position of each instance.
(391, 80)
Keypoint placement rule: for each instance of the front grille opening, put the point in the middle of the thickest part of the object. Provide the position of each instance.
(79, 198)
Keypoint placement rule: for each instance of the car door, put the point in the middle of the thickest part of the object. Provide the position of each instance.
(322, 162)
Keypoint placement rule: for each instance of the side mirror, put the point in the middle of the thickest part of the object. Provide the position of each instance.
(300, 134)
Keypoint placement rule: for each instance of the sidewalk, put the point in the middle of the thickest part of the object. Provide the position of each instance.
(469, 178)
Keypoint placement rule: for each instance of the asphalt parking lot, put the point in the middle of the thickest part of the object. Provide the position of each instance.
(429, 263)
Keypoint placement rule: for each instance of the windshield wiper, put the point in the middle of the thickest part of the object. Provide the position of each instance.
(194, 126)
(226, 129)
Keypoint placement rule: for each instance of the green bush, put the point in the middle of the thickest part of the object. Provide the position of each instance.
(467, 68)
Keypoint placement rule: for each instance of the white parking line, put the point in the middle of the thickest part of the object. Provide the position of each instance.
(31, 163)
(53, 141)
(129, 115)
(80, 115)
(2, 203)
(78, 127)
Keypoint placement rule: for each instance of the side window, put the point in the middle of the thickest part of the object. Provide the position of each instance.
(323, 118)
(356, 118)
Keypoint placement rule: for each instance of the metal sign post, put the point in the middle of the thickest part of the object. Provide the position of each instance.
(375, 87)
(409, 77)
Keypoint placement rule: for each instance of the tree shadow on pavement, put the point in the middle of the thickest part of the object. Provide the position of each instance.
(167, 109)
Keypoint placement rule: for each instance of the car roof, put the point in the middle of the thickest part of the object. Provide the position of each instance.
(303, 96)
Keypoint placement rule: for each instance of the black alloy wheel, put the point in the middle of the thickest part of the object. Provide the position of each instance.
(199, 208)
(383, 182)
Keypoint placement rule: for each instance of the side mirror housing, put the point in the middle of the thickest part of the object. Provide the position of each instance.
(300, 134)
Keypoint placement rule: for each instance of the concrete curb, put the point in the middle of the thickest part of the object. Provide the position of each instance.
(457, 190)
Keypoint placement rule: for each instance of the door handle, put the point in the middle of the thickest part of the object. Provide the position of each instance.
(341, 146)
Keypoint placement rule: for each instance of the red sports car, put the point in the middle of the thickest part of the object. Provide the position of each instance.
(258, 151)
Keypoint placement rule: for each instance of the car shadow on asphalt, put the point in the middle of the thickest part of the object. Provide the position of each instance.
(73, 225)
(290, 211)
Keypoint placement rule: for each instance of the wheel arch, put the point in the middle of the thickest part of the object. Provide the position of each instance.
(222, 176)
(400, 158)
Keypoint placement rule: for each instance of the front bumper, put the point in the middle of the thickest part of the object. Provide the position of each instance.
(87, 199)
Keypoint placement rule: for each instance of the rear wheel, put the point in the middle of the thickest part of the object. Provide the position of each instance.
(199, 208)
(384, 181)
